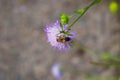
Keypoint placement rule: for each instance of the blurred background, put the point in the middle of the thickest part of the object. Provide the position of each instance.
(26, 55)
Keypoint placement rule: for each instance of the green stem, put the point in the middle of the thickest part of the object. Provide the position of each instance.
(85, 10)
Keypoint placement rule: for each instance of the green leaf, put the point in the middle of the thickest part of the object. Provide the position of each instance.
(106, 56)
(115, 58)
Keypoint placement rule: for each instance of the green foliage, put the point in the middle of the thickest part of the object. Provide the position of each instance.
(108, 60)
(114, 7)
(106, 56)
(100, 78)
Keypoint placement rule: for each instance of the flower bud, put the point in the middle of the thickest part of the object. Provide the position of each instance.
(64, 19)
(56, 71)
(79, 11)
(114, 7)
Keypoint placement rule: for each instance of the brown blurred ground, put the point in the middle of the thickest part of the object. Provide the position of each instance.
(24, 52)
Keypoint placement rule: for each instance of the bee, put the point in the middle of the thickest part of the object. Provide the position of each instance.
(63, 39)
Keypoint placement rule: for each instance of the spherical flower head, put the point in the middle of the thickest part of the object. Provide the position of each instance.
(57, 38)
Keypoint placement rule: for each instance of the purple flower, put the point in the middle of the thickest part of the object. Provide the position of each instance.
(56, 71)
(57, 38)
